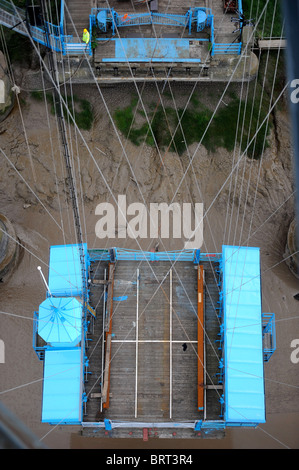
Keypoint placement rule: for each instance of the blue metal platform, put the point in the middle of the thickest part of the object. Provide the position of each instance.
(62, 387)
(244, 394)
(200, 19)
(65, 277)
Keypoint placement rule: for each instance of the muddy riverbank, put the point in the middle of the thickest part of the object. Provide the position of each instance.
(254, 207)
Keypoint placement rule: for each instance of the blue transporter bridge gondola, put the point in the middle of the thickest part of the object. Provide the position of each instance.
(122, 370)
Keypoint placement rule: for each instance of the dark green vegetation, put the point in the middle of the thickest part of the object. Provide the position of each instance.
(52, 5)
(239, 119)
(19, 47)
(271, 22)
(80, 109)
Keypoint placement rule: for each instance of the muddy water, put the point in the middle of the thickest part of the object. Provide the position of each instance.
(21, 374)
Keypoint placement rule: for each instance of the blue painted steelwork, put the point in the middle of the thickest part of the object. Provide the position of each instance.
(226, 48)
(60, 321)
(201, 18)
(68, 45)
(216, 257)
(131, 255)
(98, 255)
(244, 392)
(268, 323)
(64, 364)
(63, 387)
(198, 425)
(101, 19)
(151, 49)
(240, 336)
(61, 23)
(39, 350)
(109, 17)
(108, 424)
(65, 276)
(196, 257)
(210, 425)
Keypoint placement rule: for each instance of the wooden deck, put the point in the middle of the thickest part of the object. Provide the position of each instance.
(270, 44)
(154, 313)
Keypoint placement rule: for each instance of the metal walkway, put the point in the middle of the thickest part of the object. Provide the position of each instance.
(14, 17)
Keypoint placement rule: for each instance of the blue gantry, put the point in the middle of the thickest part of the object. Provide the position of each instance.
(59, 336)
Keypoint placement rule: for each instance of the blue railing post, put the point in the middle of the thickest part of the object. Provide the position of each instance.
(189, 17)
(61, 17)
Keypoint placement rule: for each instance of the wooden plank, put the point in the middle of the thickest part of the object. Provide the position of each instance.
(109, 297)
(108, 330)
(95, 395)
(100, 281)
(105, 393)
(200, 338)
(272, 43)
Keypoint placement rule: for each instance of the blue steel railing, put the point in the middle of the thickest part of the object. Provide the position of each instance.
(12, 16)
(99, 255)
(107, 16)
(192, 255)
(61, 24)
(111, 17)
(226, 48)
(132, 255)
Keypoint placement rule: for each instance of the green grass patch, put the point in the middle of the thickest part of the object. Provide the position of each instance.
(20, 49)
(235, 122)
(272, 14)
(176, 129)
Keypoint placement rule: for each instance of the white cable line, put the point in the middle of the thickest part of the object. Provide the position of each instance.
(89, 150)
(261, 158)
(229, 347)
(272, 437)
(241, 139)
(219, 102)
(229, 193)
(28, 186)
(130, 167)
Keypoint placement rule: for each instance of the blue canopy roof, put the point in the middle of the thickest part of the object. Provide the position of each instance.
(62, 387)
(65, 274)
(243, 340)
(60, 320)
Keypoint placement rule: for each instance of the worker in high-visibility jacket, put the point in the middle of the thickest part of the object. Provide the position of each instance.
(86, 36)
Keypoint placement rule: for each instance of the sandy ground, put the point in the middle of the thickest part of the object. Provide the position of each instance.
(258, 190)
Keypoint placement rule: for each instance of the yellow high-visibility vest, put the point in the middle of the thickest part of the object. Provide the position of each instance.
(86, 37)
